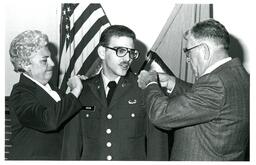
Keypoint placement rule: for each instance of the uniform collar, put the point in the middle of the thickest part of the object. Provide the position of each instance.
(106, 81)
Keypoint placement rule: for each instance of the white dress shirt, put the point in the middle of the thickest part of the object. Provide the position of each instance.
(208, 70)
(216, 65)
(46, 87)
(106, 81)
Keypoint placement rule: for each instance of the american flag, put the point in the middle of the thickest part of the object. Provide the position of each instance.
(80, 30)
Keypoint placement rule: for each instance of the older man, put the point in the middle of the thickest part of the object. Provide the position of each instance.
(38, 110)
(211, 116)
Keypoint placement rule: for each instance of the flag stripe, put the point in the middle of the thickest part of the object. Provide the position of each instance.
(83, 18)
(87, 25)
(79, 48)
(87, 50)
(78, 37)
(88, 62)
(78, 12)
(89, 35)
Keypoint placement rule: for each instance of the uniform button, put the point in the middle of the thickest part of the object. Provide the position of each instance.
(109, 116)
(109, 144)
(109, 157)
(108, 131)
(87, 115)
(133, 115)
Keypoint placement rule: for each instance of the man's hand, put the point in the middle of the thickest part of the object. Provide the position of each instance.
(166, 81)
(75, 85)
(146, 77)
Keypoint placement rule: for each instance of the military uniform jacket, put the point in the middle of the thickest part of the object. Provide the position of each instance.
(37, 121)
(120, 131)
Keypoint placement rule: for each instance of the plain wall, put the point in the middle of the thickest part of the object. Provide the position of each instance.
(237, 17)
(146, 18)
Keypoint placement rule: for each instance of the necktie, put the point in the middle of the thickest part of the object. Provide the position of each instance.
(112, 87)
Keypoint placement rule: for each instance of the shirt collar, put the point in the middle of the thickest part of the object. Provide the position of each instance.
(106, 80)
(216, 65)
(46, 87)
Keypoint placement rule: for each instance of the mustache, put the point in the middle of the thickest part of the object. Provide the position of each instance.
(125, 63)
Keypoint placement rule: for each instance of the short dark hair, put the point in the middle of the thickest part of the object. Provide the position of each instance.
(211, 29)
(116, 30)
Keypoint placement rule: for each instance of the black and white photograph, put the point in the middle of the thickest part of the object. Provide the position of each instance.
(155, 81)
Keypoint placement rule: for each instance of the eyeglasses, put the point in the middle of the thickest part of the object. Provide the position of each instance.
(122, 51)
(187, 50)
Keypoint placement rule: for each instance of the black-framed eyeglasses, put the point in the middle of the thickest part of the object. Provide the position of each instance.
(187, 50)
(122, 51)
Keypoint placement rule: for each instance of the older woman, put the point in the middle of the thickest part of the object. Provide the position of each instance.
(38, 110)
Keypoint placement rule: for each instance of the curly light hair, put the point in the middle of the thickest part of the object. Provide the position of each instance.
(24, 46)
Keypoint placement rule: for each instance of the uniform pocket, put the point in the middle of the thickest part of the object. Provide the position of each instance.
(133, 123)
(90, 123)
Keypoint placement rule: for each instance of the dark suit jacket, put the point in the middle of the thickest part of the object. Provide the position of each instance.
(210, 119)
(37, 121)
(121, 130)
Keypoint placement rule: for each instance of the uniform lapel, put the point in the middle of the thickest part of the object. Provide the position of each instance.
(97, 89)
